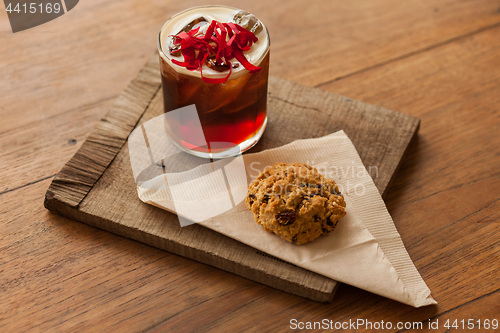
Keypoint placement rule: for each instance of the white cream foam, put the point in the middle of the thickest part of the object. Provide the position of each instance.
(219, 13)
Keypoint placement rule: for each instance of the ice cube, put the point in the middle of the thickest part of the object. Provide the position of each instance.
(193, 24)
(203, 25)
(247, 21)
(216, 66)
(174, 49)
(199, 22)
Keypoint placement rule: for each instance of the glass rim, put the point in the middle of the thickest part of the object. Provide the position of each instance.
(160, 43)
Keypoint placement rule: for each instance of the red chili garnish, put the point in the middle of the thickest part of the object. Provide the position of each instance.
(197, 49)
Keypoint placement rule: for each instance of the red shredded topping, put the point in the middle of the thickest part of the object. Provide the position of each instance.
(222, 41)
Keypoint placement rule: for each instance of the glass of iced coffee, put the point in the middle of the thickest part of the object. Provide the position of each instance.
(217, 58)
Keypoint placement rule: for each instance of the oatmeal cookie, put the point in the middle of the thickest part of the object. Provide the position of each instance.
(295, 202)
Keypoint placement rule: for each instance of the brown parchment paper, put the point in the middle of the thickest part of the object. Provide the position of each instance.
(365, 250)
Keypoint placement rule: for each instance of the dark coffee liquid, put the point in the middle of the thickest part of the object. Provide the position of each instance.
(229, 113)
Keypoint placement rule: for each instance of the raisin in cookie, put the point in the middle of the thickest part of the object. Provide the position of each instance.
(295, 202)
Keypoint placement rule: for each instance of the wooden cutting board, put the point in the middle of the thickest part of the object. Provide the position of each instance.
(97, 187)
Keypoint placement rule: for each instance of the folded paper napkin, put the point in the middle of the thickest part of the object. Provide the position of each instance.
(365, 250)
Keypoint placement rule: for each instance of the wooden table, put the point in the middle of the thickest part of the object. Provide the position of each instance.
(436, 60)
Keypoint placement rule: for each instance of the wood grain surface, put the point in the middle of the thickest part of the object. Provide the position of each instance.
(435, 60)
